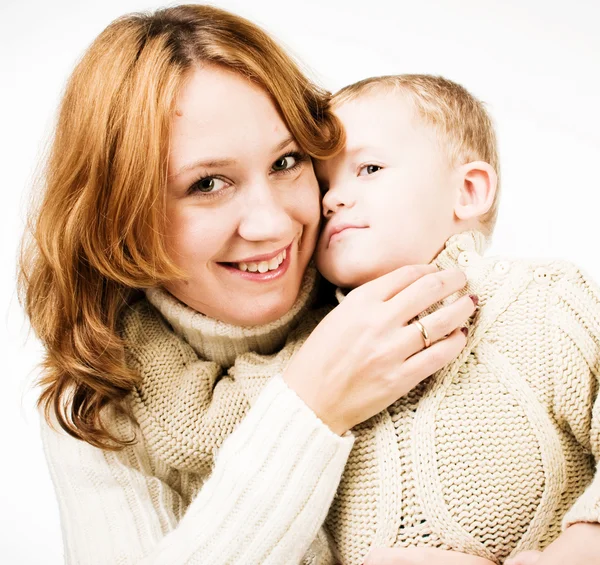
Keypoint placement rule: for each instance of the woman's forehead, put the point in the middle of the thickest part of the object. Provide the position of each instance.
(222, 116)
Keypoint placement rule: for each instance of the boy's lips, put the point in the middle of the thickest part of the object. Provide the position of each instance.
(334, 229)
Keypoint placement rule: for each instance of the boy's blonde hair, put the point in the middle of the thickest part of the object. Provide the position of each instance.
(453, 111)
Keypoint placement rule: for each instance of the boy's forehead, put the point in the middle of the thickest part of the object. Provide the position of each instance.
(375, 118)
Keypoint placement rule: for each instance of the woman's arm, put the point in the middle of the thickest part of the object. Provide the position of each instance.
(276, 475)
(273, 481)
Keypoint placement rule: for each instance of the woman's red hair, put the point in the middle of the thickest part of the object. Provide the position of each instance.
(96, 238)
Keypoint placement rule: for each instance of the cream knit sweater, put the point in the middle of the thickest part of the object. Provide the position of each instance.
(171, 499)
(493, 452)
(488, 456)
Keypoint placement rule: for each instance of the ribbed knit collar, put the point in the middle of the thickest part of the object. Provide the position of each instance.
(221, 342)
(472, 241)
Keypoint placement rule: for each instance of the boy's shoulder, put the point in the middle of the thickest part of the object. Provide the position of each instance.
(469, 251)
(537, 291)
(552, 273)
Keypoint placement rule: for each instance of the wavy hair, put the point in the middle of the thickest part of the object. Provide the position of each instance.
(95, 238)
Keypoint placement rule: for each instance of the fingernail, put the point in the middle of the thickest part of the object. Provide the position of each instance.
(464, 331)
(474, 298)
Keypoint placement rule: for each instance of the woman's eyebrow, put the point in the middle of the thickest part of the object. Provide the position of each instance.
(215, 163)
(204, 163)
(289, 139)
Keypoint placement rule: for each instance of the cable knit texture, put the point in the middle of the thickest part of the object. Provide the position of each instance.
(169, 499)
(489, 455)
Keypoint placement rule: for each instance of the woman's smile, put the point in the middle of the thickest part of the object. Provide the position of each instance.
(262, 268)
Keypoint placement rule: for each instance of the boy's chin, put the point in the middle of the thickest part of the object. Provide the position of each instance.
(347, 278)
(348, 268)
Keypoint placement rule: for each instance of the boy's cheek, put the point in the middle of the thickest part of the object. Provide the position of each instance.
(320, 256)
(326, 264)
(338, 267)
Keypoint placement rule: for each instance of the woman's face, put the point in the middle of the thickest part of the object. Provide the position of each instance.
(242, 201)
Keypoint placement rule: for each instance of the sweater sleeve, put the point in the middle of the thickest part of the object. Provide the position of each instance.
(577, 403)
(273, 481)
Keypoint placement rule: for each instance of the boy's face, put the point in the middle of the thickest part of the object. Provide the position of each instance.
(389, 196)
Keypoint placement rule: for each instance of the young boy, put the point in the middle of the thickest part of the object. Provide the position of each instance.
(492, 455)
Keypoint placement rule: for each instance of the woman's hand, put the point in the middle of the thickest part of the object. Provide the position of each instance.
(422, 556)
(579, 544)
(524, 558)
(365, 354)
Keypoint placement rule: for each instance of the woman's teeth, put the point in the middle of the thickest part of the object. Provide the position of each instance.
(263, 266)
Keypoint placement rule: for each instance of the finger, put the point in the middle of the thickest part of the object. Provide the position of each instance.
(524, 558)
(426, 291)
(428, 361)
(385, 287)
(422, 556)
(388, 556)
(444, 321)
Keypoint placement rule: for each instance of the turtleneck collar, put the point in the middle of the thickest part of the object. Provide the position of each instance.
(472, 241)
(221, 342)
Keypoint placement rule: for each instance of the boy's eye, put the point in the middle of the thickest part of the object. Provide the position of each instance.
(208, 185)
(368, 170)
(283, 163)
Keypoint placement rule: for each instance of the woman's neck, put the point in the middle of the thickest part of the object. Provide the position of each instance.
(221, 342)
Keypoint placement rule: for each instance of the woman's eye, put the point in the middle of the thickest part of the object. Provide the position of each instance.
(368, 170)
(284, 163)
(208, 185)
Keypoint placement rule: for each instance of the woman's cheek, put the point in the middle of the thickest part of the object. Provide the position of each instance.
(195, 236)
(310, 203)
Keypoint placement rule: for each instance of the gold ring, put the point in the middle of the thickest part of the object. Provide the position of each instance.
(423, 333)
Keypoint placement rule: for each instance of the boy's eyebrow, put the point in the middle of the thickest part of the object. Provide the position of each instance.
(360, 149)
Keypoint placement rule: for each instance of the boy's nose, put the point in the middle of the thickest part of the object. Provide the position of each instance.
(334, 200)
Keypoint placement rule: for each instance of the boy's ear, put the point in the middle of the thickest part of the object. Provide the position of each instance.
(477, 187)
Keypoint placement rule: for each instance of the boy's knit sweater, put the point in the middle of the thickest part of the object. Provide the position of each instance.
(169, 499)
(492, 453)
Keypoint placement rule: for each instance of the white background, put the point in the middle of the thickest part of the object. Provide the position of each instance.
(535, 63)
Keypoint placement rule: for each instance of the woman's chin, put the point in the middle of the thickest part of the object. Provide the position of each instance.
(262, 312)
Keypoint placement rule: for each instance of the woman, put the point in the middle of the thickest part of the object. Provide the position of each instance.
(181, 166)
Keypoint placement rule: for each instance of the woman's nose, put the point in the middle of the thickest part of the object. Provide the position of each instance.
(264, 217)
